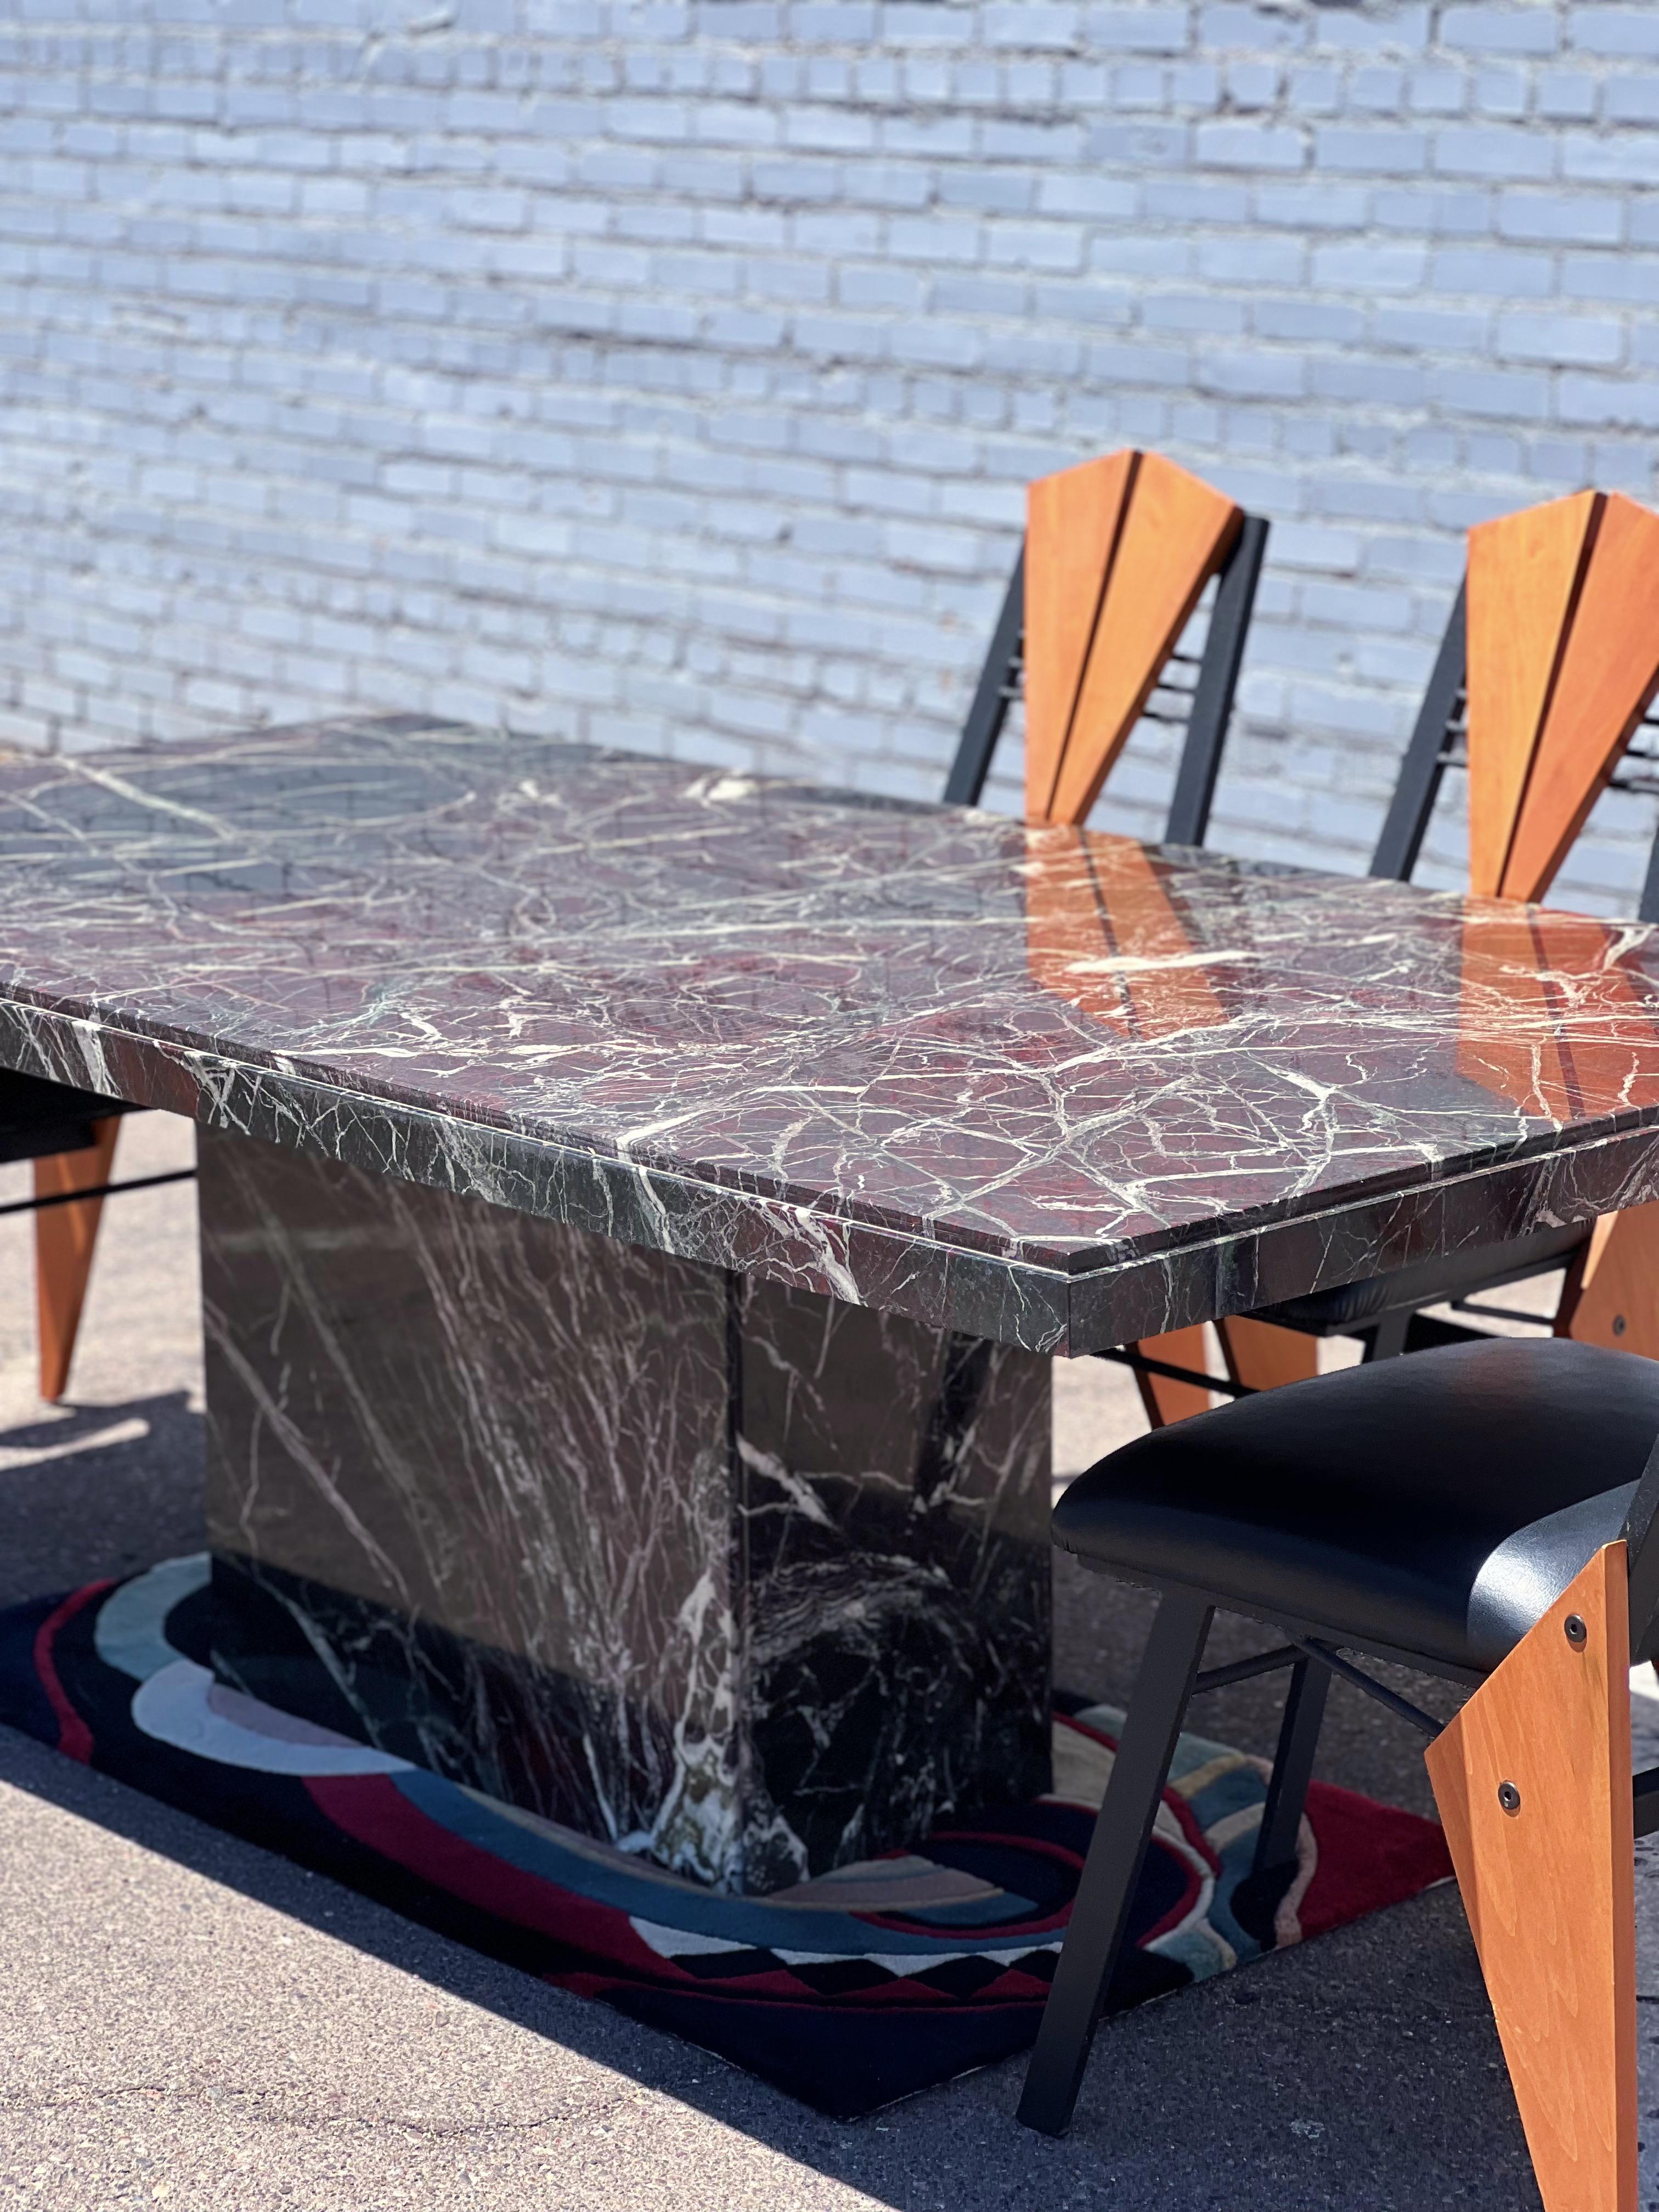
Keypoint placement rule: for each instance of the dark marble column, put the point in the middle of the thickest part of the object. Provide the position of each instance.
(739, 1576)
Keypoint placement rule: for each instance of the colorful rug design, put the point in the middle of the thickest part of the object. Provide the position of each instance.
(846, 1991)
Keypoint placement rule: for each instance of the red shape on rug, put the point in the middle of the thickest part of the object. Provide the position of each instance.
(74, 1736)
(1367, 1851)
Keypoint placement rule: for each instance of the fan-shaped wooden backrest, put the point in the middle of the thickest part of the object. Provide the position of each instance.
(1116, 554)
(1563, 664)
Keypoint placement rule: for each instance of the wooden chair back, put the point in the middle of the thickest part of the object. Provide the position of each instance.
(1548, 666)
(1116, 556)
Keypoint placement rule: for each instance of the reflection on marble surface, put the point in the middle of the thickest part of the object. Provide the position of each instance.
(1034, 1085)
(749, 1579)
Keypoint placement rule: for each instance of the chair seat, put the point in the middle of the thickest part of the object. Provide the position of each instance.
(1429, 1282)
(1435, 1506)
(38, 1118)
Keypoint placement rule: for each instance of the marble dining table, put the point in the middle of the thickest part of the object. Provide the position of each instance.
(641, 1203)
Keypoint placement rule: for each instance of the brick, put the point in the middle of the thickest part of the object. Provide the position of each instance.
(991, 191)
(1439, 210)
(1605, 277)
(1026, 23)
(1503, 93)
(1616, 31)
(1575, 218)
(1628, 158)
(1088, 198)
(1611, 402)
(1583, 341)
(1252, 28)
(1139, 30)
(1272, 260)
(1565, 95)
(1241, 374)
(1249, 146)
(1252, 84)
(1323, 322)
(1530, 30)
(1316, 204)
(1492, 269)
(1369, 266)
(1048, 246)
(1492, 392)
(1204, 311)
(1437, 88)
(1477, 151)
(1431, 330)
(1376, 152)
(1632, 96)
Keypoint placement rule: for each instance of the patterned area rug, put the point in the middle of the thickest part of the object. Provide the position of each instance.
(846, 1991)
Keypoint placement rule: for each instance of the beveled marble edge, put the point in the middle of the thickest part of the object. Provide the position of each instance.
(1010, 1299)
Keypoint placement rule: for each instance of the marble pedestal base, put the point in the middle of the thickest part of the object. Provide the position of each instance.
(735, 1575)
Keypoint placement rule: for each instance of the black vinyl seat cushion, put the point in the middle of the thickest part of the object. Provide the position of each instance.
(38, 1118)
(1436, 1505)
(1429, 1282)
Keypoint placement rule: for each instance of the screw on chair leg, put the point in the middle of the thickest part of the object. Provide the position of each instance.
(1100, 1915)
(1298, 1741)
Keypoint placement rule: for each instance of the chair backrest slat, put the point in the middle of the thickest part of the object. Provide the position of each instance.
(1609, 673)
(1117, 553)
(1523, 578)
(1073, 527)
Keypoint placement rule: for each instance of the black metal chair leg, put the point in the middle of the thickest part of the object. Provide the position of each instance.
(1386, 1341)
(1100, 1912)
(1288, 1792)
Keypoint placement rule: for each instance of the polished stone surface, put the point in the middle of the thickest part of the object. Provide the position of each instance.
(749, 1579)
(1038, 1086)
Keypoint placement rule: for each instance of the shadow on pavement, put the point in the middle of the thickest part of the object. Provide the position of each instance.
(93, 1490)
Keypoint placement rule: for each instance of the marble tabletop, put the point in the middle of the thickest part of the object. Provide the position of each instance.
(1038, 1084)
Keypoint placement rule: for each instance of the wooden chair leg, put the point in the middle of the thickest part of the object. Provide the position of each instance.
(1123, 1828)
(64, 1239)
(1614, 1298)
(1533, 1780)
(1264, 1356)
(1165, 1400)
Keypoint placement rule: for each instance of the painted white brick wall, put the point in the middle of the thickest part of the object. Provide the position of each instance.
(669, 376)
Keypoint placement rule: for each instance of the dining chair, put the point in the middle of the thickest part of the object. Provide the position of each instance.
(1542, 696)
(1484, 1513)
(70, 1135)
(1116, 556)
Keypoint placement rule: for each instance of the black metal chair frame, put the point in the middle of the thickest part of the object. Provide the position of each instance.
(1169, 1678)
(1205, 706)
